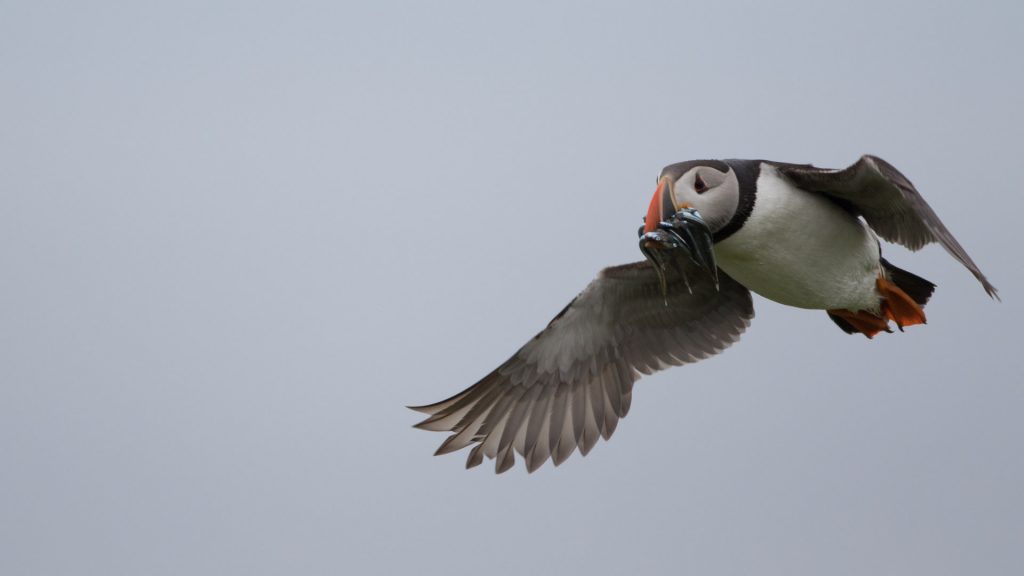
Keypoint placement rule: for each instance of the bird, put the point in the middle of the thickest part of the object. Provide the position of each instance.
(715, 231)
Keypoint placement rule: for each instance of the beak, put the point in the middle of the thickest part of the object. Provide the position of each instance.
(662, 206)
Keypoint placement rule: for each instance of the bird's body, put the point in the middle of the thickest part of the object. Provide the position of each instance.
(801, 249)
(715, 231)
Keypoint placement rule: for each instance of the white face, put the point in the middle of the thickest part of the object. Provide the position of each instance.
(715, 194)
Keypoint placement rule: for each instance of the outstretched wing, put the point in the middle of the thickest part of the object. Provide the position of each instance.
(889, 203)
(573, 381)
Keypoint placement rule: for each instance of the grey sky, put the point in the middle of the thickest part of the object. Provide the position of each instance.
(238, 238)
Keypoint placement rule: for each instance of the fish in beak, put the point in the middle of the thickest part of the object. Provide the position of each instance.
(669, 227)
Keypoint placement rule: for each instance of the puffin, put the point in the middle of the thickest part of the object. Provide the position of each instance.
(715, 231)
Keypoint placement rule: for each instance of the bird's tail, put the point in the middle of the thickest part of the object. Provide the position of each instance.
(918, 289)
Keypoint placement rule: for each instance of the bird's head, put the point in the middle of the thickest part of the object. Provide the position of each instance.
(708, 186)
(693, 200)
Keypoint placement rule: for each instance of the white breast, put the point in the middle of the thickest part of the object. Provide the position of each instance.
(801, 249)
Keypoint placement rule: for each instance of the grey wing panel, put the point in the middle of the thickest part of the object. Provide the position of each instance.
(570, 384)
(889, 203)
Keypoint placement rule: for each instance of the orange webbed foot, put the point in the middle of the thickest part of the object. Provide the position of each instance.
(898, 306)
(861, 321)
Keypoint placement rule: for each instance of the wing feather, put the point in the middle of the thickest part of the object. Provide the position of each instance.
(889, 203)
(572, 383)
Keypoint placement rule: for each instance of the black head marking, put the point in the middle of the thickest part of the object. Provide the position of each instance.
(676, 171)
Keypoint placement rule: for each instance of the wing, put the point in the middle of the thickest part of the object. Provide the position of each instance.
(889, 203)
(573, 381)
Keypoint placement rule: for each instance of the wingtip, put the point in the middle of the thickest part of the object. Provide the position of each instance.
(476, 457)
(505, 461)
(992, 292)
(533, 462)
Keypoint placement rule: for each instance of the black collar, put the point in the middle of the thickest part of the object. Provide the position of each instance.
(747, 172)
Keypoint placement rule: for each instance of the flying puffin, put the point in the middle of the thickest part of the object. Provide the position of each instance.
(715, 230)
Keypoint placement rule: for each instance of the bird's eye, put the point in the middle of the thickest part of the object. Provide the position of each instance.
(698, 185)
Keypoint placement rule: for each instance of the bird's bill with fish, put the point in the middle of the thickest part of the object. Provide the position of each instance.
(669, 231)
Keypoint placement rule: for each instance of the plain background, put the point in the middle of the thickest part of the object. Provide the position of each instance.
(237, 238)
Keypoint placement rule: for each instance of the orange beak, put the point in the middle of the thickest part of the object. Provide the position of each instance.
(662, 206)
